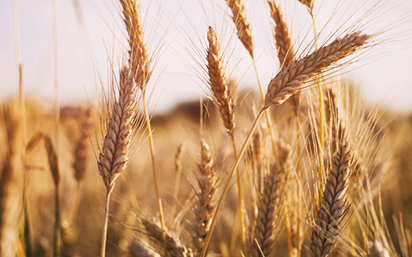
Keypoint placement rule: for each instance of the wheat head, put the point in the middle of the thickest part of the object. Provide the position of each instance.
(288, 81)
(244, 32)
(218, 83)
(115, 152)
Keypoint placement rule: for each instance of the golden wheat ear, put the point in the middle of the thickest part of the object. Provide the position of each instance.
(268, 219)
(218, 83)
(288, 81)
(115, 150)
(244, 32)
(159, 237)
(334, 206)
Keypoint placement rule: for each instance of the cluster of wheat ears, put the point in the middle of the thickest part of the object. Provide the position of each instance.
(304, 182)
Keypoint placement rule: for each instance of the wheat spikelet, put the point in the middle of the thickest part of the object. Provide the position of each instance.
(218, 83)
(334, 201)
(242, 25)
(173, 246)
(114, 153)
(288, 81)
(268, 214)
(138, 57)
(206, 197)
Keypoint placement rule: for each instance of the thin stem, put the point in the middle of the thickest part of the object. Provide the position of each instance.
(321, 132)
(176, 191)
(288, 228)
(105, 222)
(234, 233)
(272, 138)
(152, 153)
(56, 241)
(56, 252)
(298, 193)
(226, 188)
(240, 198)
(75, 203)
(26, 232)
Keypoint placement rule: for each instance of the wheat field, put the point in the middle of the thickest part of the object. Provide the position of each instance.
(297, 165)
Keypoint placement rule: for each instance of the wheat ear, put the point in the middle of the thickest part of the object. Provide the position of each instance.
(206, 204)
(284, 46)
(159, 237)
(178, 164)
(224, 100)
(54, 168)
(334, 201)
(115, 150)
(138, 57)
(139, 64)
(244, 32)
(218, 83)
(288, 81)
(268, 214)
(308, 3)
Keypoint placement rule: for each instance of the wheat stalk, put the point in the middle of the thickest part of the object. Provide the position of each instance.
(288, 81)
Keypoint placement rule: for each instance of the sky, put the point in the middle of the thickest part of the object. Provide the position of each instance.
(91, 39)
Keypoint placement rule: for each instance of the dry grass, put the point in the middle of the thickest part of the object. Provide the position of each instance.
(293, 196)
